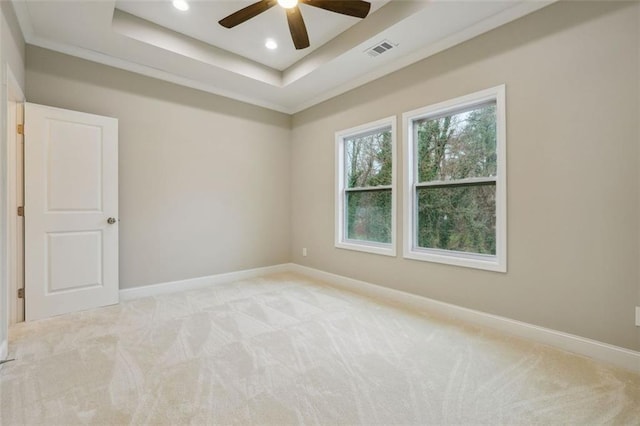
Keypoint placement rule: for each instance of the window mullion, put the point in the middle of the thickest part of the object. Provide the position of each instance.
(369, 188)
(458, 182)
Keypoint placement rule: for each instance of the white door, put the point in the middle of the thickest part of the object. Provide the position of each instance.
(71, 211)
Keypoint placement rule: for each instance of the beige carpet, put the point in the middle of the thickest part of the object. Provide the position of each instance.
(287, 350)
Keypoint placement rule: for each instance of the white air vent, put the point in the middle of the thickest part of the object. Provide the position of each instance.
(380, 48)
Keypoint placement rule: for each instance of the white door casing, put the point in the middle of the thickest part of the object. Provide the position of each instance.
(15, 197)
(71, 190)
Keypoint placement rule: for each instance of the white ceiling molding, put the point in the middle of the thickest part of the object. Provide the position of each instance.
(155, 35)
(99, 32)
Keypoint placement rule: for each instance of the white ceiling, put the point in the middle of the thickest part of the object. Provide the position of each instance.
(248, 39)
(192, 49)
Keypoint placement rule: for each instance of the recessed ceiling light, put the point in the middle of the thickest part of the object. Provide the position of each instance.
(271, 44)
(181, 5)
(287, 4)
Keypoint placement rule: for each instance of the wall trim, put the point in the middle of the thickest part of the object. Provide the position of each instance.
(615, 355)
(200, 282)
(15, 197)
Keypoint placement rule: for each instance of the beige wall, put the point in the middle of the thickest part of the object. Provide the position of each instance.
(13, 46)
(572, 73)
(11, 56)
(204, 180)
(210, 185)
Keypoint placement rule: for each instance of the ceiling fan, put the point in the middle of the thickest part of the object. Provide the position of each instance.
(356, 8)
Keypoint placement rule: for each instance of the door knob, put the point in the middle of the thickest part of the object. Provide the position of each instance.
(111, 220)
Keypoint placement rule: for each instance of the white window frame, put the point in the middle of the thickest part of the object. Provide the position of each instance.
(387, 249)
(497, 262)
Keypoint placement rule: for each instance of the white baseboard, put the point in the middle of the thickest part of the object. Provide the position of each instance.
(200, 282)
(615, 355)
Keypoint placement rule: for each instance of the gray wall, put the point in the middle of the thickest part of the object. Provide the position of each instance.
(11, 55)
(204, 180)
(572, 78)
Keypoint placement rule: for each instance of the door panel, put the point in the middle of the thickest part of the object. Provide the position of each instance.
(74, 260)
(71, 184)
(74, 185)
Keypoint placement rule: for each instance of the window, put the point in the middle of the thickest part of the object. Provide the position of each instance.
(455, 182)
(365, 195)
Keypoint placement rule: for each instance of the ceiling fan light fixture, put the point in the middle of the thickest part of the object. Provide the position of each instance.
(181, 5)
(288, 4)
(271, 44)
(297, 28)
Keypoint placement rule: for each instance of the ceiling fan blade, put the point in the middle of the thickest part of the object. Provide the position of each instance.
(247, 13)
(357, 8)
(297, 28)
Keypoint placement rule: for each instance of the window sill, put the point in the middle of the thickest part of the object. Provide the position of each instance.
(487, 263)
(381, 249)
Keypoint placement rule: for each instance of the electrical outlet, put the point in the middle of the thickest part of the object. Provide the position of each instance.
(304, 253)
(637, 316)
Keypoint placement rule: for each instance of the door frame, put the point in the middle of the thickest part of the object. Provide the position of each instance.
(15, 198)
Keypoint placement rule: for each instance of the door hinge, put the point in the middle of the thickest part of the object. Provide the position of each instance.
(21, 211)
(20, 129)
(21, 293)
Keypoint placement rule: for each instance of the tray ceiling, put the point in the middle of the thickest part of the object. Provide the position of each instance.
(192, 49)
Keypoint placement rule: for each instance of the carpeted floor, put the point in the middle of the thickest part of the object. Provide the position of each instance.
(284, 349)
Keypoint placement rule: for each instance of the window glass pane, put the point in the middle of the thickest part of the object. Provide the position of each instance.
(459, 218)
(369, 215)
(457, 146)
(368, 159)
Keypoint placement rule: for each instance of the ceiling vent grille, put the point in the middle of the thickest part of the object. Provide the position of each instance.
(380, 48)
